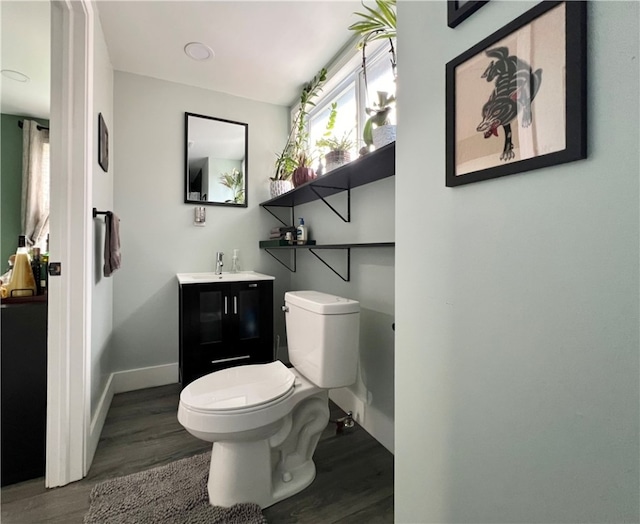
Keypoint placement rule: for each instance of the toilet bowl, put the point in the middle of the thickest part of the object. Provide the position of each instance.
(265, 420)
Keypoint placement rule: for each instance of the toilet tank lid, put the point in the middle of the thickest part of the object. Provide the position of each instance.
(321, 303)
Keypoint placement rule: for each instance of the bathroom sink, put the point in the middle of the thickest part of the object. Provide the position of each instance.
(201, 278)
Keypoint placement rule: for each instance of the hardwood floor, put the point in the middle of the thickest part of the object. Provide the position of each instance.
(354, 481)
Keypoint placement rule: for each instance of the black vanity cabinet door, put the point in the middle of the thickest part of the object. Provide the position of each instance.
(224, 325)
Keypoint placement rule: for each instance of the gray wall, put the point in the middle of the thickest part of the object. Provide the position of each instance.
(517, 299)
(102, 198)
(372, 283)
(157, 232)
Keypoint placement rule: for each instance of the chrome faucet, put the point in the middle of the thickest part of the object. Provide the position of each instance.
(219, 263)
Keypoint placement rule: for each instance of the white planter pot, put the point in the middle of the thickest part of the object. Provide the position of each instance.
(279, 187)
(384, 135)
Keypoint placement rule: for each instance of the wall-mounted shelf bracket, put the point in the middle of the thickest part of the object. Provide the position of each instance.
(318, 247)
(290, 268)
(278, 218)
(348, 250)
(348, 218)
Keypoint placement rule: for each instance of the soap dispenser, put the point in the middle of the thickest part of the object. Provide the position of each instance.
(302, 233)
(235, 261)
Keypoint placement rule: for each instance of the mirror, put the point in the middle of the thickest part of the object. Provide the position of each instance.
(216, 161)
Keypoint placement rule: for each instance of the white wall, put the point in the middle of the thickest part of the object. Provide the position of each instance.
(157, 233)
(102, 198)
(372, 284)
(517, 299)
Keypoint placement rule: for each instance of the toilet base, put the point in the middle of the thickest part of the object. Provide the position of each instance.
(271, 469)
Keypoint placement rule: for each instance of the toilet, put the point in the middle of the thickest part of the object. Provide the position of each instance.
(265, 420)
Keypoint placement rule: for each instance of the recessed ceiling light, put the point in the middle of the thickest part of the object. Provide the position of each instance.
(15, 75)
(198, 51)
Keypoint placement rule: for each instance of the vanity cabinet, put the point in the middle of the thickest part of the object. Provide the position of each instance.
(224, 324)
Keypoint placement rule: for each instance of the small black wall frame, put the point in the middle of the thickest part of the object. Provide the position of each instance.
(458, 11)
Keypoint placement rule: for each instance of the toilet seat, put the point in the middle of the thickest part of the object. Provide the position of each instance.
(238, 389)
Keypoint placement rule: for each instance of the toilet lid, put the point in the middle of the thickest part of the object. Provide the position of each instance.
(238, 387)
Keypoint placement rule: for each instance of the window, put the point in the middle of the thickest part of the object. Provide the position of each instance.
(380, 78)
(346, 120)
(346, 88)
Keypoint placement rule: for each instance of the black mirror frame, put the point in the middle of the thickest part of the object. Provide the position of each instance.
(186, 162)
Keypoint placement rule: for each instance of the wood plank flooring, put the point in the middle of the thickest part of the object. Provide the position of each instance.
(354, 481)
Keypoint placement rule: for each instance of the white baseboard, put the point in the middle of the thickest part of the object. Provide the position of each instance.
(120, 382)
(97, 422)
(141, 378)
(378, 425)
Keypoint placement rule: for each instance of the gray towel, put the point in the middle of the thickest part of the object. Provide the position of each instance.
(112, 258)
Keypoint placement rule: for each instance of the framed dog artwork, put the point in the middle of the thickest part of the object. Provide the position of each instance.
(517, 100)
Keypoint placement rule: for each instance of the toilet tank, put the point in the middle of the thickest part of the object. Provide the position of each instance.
(323, 333)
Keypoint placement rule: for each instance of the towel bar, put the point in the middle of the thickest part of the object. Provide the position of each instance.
(96, 212)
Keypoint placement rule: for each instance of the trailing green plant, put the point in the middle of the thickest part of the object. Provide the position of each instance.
(331, 123)
(298, 139)
(331, 142)
(376, 24)
(235, 182)
(378, 115)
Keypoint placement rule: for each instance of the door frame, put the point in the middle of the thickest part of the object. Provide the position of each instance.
(69, 295)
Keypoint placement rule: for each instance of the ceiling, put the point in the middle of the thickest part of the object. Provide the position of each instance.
(25, 35)
(264, 50)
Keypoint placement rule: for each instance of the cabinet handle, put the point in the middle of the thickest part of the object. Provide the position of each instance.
(225, 305)
(220, 360)
(235, 305)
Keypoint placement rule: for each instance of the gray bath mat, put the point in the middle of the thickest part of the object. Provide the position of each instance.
(171, 494)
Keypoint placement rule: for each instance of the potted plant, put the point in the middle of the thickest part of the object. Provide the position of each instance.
(338, 150)
(297, 141)
(377, 24)
(235, 182)
(303, 172)
(378, 130)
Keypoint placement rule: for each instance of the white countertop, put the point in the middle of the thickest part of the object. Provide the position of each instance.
(203, 278)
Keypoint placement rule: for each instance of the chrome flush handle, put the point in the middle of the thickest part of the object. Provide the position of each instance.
(285, 309)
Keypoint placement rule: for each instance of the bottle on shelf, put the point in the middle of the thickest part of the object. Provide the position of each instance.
(44, 269)
(36, 268)
(302, 232)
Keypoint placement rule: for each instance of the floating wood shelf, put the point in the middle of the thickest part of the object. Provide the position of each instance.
(333, 246)
(370, 168)
(312, 249)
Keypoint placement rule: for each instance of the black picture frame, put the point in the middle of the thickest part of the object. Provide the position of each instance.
(459, 11)
(103, 144)
(569, 111)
